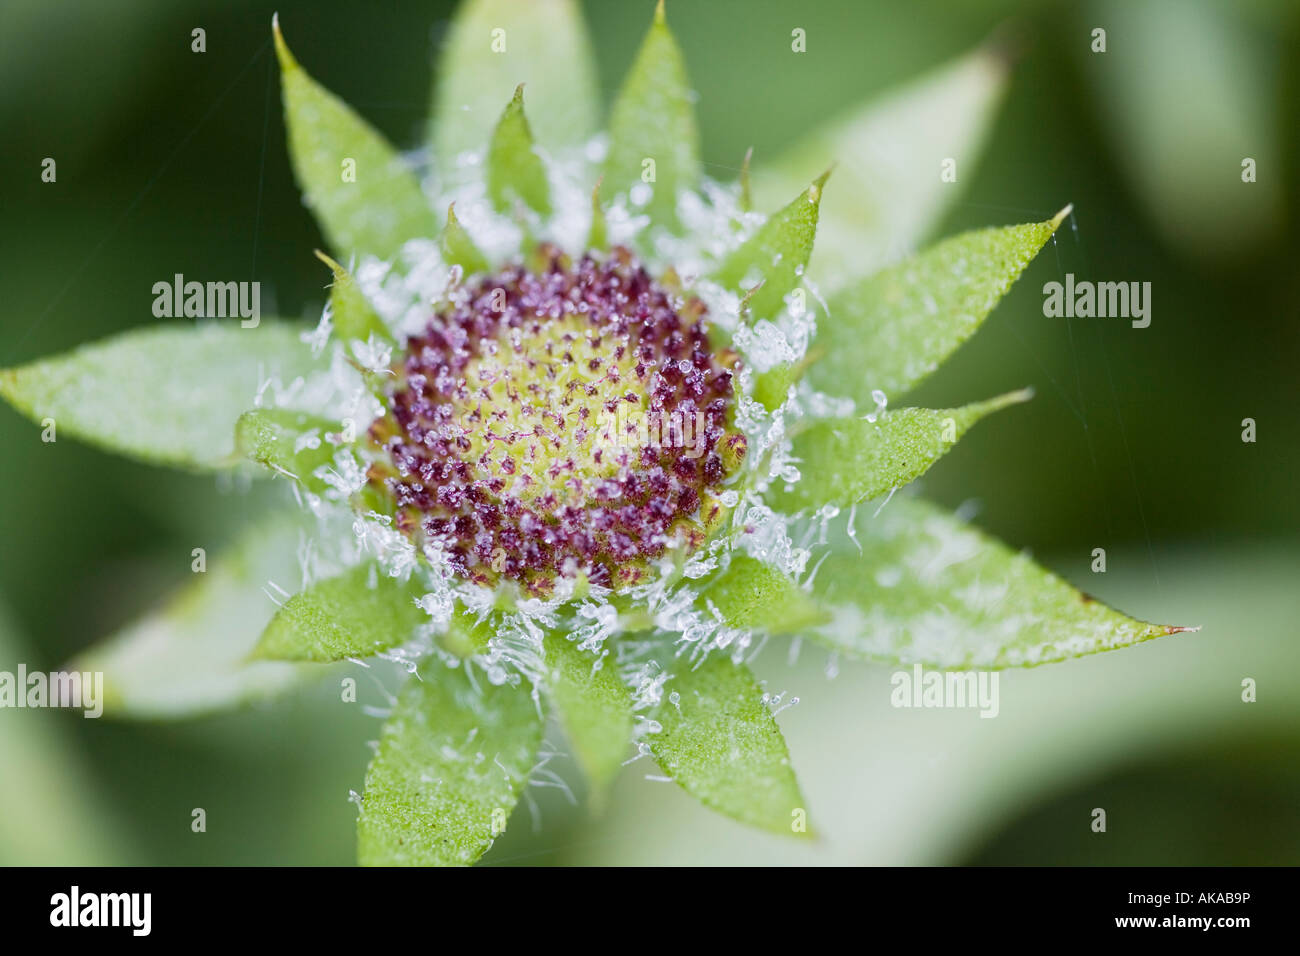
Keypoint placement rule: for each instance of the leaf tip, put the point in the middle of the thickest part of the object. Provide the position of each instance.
(744, 302)
(1004, 48)
(1061, 216)
(282, 52)
(334, 267)
(815, 189)
(746, 196)
(661, 16)
(1018, 397)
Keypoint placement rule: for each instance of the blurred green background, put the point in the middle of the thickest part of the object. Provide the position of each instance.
(170, 161)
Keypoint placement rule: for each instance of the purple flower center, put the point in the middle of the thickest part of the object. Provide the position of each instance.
(561, 420)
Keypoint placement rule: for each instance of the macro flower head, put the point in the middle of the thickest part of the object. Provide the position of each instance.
(518, 440)
(581, 428)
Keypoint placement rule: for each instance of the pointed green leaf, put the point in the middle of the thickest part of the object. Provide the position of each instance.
(191, 657)
(495, 45)
(777, 254)
(652, 126)
(927, 588)
(451, 762)
(890, 156)
(890, 331)
(290, 443)
(753, 594)
(352, 315)
(167, 394)
(352, 615)
(363, 195)
(843, 461)
(594, 709)
(720, 742)
(458, 248)
(515, 173)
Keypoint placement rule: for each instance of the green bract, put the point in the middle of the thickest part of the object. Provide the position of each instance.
(656, 665)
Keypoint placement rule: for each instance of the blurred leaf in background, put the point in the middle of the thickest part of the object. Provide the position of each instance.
(1189, 94)
(51, 813)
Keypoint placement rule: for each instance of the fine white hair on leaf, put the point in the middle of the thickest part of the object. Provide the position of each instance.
(306, 559)
(498, 237)
(345, 476)
(622, 224)
(516, 649)
(642, 750)
(602, 618)
(571, 178)
(777, 702)
(541, 774)
(765, 344)
(810, 403)
(766, 536)
(646, 681)
(374, 355)
(411, 654)
(832, 665)
(319, 337)
(280, 595)
(376, 537)
(646, 725)
(709, 217)
(792, 652)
